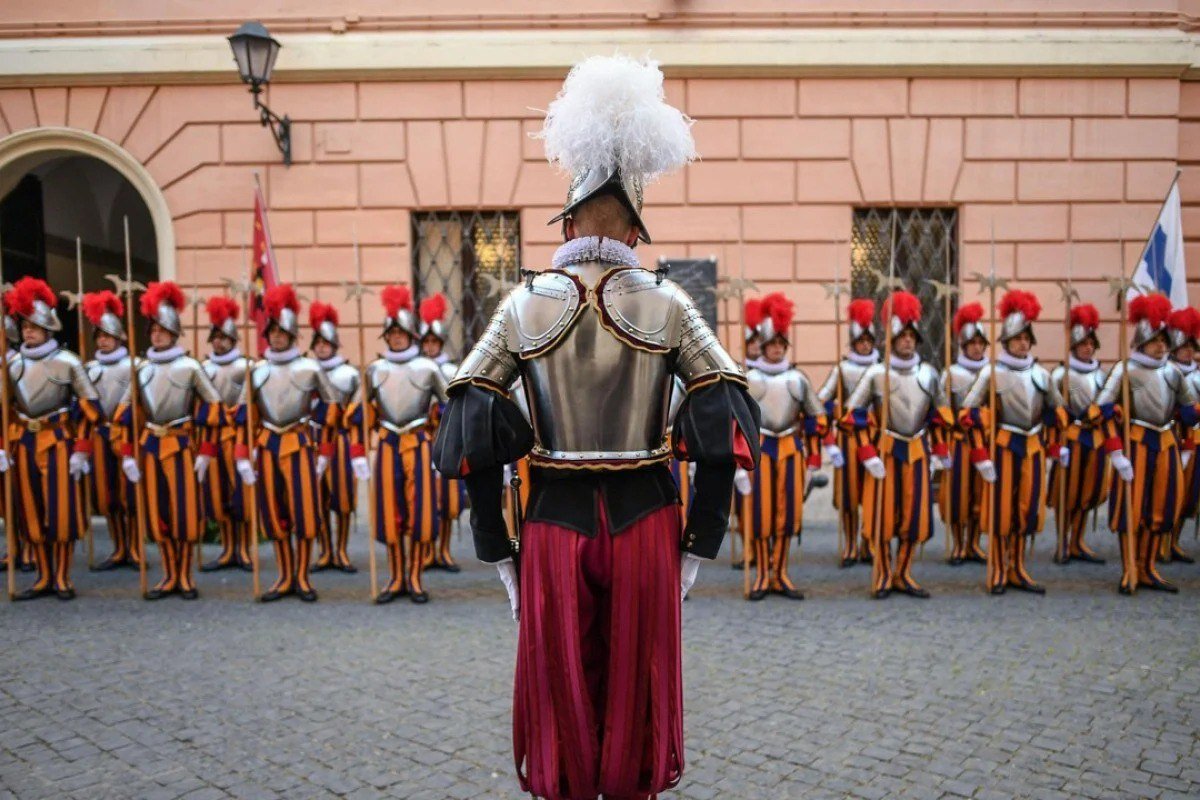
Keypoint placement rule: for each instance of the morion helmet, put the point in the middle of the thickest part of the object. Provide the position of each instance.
(33, 300)
(283, 309)
(777, 312)
(1019, 309)
(433, 317)
(162, 303)
(862, 317)
(223, 315)
(323, 319)
(966, 323)
(1148, 314)
(902, 312)
(1183, 328)
(397, 307)
(104, 310)
(1085, 320)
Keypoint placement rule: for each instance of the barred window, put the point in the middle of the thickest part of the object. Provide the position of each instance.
(926, 254)
(471, 257)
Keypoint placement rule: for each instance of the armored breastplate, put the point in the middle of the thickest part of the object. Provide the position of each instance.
(1153, 392)
(1193, 380)
(778, 399)
(1082, 389)
(344, 379)
(283, 392)
(851, 373)
(961, 379)
(167, 390)
(111, 382)
(229, 379)
(1021, 394)
(403, 392)
(43, 385)
(913, 394)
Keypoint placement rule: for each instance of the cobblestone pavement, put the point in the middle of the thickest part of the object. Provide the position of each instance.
(1077, 694)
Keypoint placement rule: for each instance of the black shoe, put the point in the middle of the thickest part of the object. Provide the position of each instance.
(33, 594)
(1065, 559)
(977, 559)
(385, 597)
(792, 594)
(913, 590)
(107, 565)
(737, 565)
(1088, 558)
(216, 565)
(158, 594)
(865, 559)
(272, 595)
(847, 563)
(449, 566)
(1159, 585)
(882, 594)
(419, 597)
(1125, 590)
(245, 566)
(26, 566)
(1181, 557)
(1028, 586)
(322, 566)
(190, 594)
(348, 568)
(955, 561)
(1001, 589)
(65, 594)
(756, 594)
(307, 595)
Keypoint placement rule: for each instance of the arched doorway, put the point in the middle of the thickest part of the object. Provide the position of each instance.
(59, 184)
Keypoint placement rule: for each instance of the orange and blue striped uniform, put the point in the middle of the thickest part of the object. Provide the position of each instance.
(962, 490)
(1087, 479)
(338, 487)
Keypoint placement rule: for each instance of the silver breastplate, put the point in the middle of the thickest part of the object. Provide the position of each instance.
(1082, 389)
(961, 379)
(283, 392)
(45, 385)
(229, 379)
(344, 379)
(1153, 394)
(403, 392)
(913, 393)
(111, 382)
(167, 391)
(1021, 395)
(851, 373)
(778, 398)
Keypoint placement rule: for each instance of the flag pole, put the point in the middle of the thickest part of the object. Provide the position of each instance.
(82, 339)
(1063, 517)
(251, 505)
(882, 551)
(134, 402)
(364, 429)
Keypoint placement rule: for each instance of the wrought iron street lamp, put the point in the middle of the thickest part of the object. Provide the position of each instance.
(255, 52)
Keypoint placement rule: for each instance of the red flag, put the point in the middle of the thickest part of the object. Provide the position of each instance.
(264, 272)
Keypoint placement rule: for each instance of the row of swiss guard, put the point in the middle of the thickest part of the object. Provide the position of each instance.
(940, 423)
(196, 459)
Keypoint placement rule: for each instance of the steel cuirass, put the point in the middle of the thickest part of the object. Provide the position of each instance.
(850, 372)
(229, 378)
(111, 381)
(1082, 388)
(961, 380)
(1155, 392)
(45, 385)
(782, 398)
(167, 390)
(915, 394)
(403, 392)
(283, 391)
(1023, 394)
(344, 380)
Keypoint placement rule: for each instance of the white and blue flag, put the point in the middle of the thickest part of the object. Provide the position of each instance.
(1162, 267)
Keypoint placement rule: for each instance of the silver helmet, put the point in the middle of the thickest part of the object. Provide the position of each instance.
(222, 316)
(1183, 328)
(398, 313)
(968, 322)
(433, 317)
(11, 329)
(1085, 321)
(598, 183)
(33, 300)
(1020, 310)
(1149, 315)
(104, 309)
(162, 304)
(862, 319)
(323, 319)
(283, 309)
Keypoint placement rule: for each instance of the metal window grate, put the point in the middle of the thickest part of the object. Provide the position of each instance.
(923, 237)
(471, 257)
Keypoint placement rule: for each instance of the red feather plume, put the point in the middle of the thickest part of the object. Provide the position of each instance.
(1186, 320)
(753, 312)
(25, 292)
(96, 303)
(433, 308)
(780, 309)
(967, 314)
(1085, 315)
(159, 292)
(221, 308)
(904, 306)
(395, 299)
(1153, 308)
(279, 297)
(319, 313)
(1022, 301)
(862, 311)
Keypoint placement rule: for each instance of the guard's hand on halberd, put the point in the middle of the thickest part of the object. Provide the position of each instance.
(4, 461)
(1064, 457)
(201, 467)
(834, 454)
(508, 575)
(322, 465)
(687, 574)
(79, 465)
(129, 466)
(1122, 465)
(741, 481)
(874, 465)
(245, 471)
(361, 467)
(987, 470)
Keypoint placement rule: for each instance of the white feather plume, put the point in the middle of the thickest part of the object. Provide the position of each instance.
(611, 112)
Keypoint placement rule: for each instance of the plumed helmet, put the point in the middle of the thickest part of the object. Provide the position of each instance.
(433, 317)
(902, 312)
(777, 311)
(323, 319)
(753, 317)
(1085, 321)
(223, 315)
(1184, 327)
(966, 323)
(163, 302)
(612, 130)
(104, 310)
(1019, 310)
(1148, 314)
(283, 309)
(33, 300)
(862, 319)
(397, 308)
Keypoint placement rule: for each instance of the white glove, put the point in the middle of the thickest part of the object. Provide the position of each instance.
(129, 466)
(1064, 457)
(4, 462)
(874, 465)
(834, 454)
(987, 470)
(1122, 465)
(947, 463)
(201, 467)
(935, 464)
(322, 465)
(741, 481)
(361, 467)
(78, 465)
(246, 472)
(1185, 456)
(691, 468)
(687, 574)
(508, 575)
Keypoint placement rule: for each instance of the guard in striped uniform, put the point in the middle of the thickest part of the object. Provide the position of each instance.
(1159, 398)
(283, 384)
(898, 461)
(848, 478)
(961, 493)
(1184, 326)
(109, 372)
(223, 494)
(24, 555)
(793, 425)
(339, 489)
(54, 401)
(452, 493)
(176, 402)
(1086, 472)
(403, 388)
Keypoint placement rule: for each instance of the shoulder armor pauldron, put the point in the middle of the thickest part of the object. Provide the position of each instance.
(541, 311)
(638, 307)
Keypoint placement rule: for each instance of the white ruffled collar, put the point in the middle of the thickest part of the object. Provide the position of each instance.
(973, 364)
(227, 358)
(905, 363)
(112, 357)
(163, 356)
(442, 358)
(41, 351)
(1012, 362)
(1185, 368)
(769, 367)
(1138, 357)
(335, 360)
(1083, 366)
(402, 356)
(594, 248)
(283, 356)
(863, 361)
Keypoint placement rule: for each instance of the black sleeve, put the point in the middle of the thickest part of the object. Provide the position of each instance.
(716, 427)
(481, 431)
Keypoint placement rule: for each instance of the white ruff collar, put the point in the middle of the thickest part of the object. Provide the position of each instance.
(973, 364)
(163, 356)
(401, 356)
(283, 356)
(594, 248)
(769, 367)
(905, 363)
(442, 358)
(334, 360)
(113, 357)
(1084, 366)
(863, 361)
(41, 351)
(1138, 357)
(1012, 362)
(1187, 368)
(228, 358)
